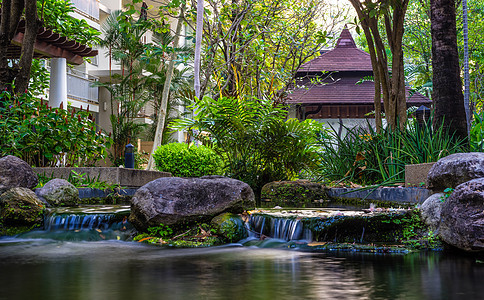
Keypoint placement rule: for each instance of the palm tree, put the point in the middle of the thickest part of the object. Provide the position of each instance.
(123, 37)
(466, 66)
(447, 87)
(180, 81)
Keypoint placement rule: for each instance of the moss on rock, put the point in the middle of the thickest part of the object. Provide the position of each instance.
(298, 193)
(21, 209)
(230, 227)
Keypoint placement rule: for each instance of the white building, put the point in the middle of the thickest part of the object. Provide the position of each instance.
(74, 85)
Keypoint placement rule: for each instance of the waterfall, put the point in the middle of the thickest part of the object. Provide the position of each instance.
(287, 229)
(55, 222)
(78, 224)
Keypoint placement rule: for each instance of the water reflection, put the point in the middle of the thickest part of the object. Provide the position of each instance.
(34, 269)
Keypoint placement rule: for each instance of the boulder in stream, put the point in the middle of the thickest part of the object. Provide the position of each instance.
(59, 192)
(20, 207)
(15, 172)
(431, 210)
(455, 169)
(175, 201)
(462, 217)
(230, 226)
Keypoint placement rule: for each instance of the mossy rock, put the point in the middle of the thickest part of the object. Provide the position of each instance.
(230, 227)
(298, 193)
(20, 207)
(59, 192)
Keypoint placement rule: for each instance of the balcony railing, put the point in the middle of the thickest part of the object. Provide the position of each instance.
(79, 87)
(89, 7)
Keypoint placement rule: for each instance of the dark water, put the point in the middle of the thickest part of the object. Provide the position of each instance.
(50, 269)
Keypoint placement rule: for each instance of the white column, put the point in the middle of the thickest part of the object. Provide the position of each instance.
(58, 83)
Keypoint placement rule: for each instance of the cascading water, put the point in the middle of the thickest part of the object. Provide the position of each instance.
(87, 223)
(287, 229)
(55, 222)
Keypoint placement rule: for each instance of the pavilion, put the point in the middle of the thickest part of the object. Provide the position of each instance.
(336, 87)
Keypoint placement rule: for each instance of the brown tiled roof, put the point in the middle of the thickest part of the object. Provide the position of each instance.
(346, 65)
(344, 57)
(343, 90)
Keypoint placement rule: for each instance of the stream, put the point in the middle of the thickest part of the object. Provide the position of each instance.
(69, 260)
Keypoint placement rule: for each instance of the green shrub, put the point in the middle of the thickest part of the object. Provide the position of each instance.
(183, 160)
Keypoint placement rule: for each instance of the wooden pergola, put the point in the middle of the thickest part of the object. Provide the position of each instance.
(60, 50)
(51, 45)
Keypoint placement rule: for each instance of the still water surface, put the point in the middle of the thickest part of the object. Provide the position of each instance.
(49, 269)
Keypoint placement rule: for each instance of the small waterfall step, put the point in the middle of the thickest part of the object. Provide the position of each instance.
(85, 223)
(287, 229)
(329, 225)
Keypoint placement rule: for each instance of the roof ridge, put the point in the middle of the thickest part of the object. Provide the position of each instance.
(345, 39)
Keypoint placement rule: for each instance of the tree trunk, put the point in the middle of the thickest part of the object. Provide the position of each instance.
(166, 92)
(32, 25)
(11, 13)
(467, 105)
(198, 45)
(390, 89)
(447, 87)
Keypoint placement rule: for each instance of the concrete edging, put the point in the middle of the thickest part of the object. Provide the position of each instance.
(388, 194)
(121, 176)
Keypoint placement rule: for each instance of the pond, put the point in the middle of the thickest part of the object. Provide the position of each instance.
(42, 268)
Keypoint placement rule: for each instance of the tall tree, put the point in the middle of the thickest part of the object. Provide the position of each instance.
(466, 65)
(128, 93)
(166, 92)
(390, 89)
(198, 46)
(254, 48)
(447, 87)
(11, 13)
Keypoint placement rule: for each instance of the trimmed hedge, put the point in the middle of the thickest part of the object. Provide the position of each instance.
(183, 160)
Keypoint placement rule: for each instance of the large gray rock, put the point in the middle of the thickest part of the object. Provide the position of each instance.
(20, 207)
(58, 192)
(462, 217)
(455, 169)
(15, 172)
(175, 201)
(431, 210)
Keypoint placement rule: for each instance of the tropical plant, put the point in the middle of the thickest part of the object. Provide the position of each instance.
(367, 157)
(253, 139)
(476, 134)
(185, 160)
(44, 136)
(179, 85)
(56, 15)
(128, 95)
